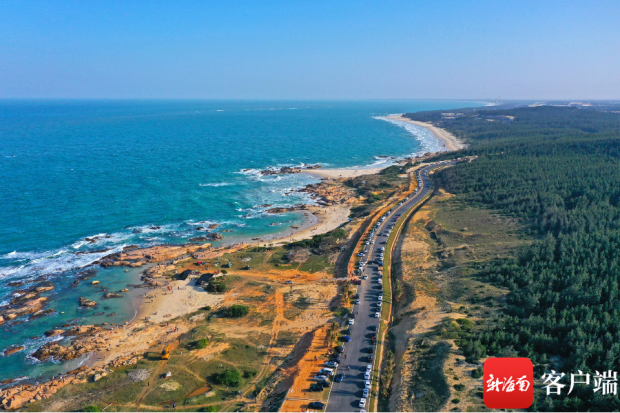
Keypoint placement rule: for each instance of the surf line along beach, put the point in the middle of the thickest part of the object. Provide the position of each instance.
(163, 301)
(450, 142)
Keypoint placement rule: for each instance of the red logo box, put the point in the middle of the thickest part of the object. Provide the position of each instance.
(508, 383)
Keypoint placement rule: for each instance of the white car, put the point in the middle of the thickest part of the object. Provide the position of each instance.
(351, 321)
(367, 384)
(380, 281)
(368, 367)
(331, 364)
(377, 314)
(367, 375)
(321, 378)
(380, 298)
(362, 402)
(379, 304)
(366, 393)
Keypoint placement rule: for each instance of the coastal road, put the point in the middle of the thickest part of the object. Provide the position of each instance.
(345, 396)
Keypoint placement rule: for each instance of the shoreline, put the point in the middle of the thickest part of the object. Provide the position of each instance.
(185, 298)
(451, 142)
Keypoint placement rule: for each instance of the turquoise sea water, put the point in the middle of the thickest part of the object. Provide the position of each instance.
(116, 169)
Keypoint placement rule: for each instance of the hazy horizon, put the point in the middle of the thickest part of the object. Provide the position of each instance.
(320, 50)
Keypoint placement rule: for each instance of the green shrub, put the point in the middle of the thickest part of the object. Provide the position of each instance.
(249, 373)
(456, 401)
(476, 373)
(216, 287)
(459, 387)
(230, 377)
(91, 408)
(236, 311)
(202, 343)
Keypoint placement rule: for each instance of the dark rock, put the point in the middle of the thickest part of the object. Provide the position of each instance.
(41, 313)
(85, 302)
(53, 333)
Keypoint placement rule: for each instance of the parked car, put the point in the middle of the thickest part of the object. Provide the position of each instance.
(339, 349)
(316, 405)
(316, 387)
(368, 367)
(380, 298)
(369, 358)
(370, 350)
(351, 321)
(374, 328)
(331, 364)
(367, 375)
(324, 384)
(367, 384)
(363, 402)
(356, 301)
(346, 339)
(377, 315)
(289, 282)
(321, 378)
(339, 377)
(366, 393)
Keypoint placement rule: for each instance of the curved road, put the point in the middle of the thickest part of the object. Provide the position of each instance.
(345, 396)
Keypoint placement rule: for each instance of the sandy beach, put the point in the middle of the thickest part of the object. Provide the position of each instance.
(343, 172)
(451, 142)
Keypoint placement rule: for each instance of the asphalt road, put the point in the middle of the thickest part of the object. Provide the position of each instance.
(345, 396)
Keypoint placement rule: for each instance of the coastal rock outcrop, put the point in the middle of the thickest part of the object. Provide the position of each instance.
(53, 333)
(13, 350)
(27, 304)
(327, 193)
(288, 170)
(85, 302)
(112, 295)
(281, 210)
(88, 340)
(140, 256)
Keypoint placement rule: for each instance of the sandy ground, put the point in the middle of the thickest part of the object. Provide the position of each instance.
(451, 142)
(183, 298)
(319, 221)
(343, 173)
(299, 395)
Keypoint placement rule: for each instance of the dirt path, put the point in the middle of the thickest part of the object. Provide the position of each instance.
(145, 392)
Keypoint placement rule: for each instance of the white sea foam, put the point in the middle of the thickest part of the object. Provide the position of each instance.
(218, 184)
(429, 142)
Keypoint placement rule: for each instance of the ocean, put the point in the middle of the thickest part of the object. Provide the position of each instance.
(149, 172)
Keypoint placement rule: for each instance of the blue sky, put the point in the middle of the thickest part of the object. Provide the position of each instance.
(310, 49)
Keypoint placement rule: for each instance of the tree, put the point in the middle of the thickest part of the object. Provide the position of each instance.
(237, 311)
(230, 377)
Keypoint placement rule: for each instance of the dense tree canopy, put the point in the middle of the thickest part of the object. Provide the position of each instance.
(557, 168)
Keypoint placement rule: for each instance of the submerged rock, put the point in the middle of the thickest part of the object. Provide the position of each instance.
(112, 295)
(41, 313)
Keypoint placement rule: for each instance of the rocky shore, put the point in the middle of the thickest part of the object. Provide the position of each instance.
(288, 170)
(141, 256)
(28, 301)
